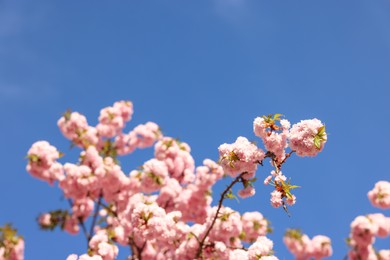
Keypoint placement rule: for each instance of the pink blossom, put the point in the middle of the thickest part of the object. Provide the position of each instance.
(262, 247)
(303, 248)
(79, 181)
(71, 225)
(102, 246)
(113, 119)
(84, 257)
(276, 199)
(176, 155)
(91, 158)
(382, 222)
(384, 254)
(241, 156)
(363, 231)
(147, 134)
(152, 176)
(321, 246)
(42, 162)
(306, 138)
(82, 208)
(238, 254)
(380, 195)
(274, 141)
(74, 126)
(267, 180)
(253, 226)
(227, 227)
(44, 219)
(247, 192)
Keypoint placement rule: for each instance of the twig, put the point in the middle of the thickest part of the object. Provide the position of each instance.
(81, 223)
(95, 215)
(108, 208)
(221, 199)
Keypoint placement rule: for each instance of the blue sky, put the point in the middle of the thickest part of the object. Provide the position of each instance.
(202, 70)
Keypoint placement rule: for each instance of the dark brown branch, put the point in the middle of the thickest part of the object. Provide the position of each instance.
(81, 223)
(108, 209)
(285, 158)
(95, 215)
(221, 199)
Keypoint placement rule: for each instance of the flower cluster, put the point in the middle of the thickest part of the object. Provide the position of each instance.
(163, 209)
(11, 244)
(304, 248)
(379, 196)
(364, 229)
(306, 138)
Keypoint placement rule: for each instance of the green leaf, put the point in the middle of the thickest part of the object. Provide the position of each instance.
(67, 114)
(277, 117)
(317, 142)
(33, 158)
(321, 131)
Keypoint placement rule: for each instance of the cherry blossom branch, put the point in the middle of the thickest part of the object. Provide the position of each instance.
(96, 213)
(81, 223)
(221, 199)
(108, 208)
(285, 158)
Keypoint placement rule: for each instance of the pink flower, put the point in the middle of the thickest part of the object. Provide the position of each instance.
(321, 246)
(84, 257)
(380, 195)
(262, 247)
(308, 137)
(113, 119)
(274, 141)
(384, 254)
(276, 199)
(227, 227)
(241, 156)
(363, 231)
(247, 192)
(382, 222)
(253, 226)
(303, 248)
(238, 254)
(44, 219)
(42, 162)
(152, 176)
(74, 126)
(176, 155)
(71, 225)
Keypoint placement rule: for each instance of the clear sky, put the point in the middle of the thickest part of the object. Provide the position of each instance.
(202, 70)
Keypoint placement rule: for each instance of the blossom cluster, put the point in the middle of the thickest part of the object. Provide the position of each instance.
(379, 196)
(11, 244)
(304, 248)
(162, 210)
(365, 229)
(306, 138)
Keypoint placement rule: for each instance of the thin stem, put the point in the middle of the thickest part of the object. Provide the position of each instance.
(95, 215)
(285, 158)
(221, 199)
(81, 223)
(108, 208)
(136, 251)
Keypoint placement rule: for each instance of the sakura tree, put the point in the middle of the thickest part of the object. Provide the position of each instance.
(164, 209)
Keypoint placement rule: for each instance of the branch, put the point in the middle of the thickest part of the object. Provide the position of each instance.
(108, 208)
(221, 199)
(81, 223)
(95, 215)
